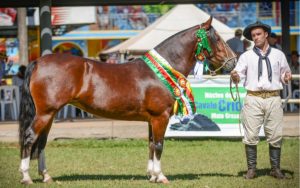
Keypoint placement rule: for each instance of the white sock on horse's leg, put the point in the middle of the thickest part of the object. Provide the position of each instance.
(24, 169)
(150, 167)
(157, 171)
(150, 171)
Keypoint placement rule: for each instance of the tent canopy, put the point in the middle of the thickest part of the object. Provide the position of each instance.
(177, 19)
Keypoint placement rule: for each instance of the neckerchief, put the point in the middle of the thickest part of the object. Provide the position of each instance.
(269, 68)
(174, 81)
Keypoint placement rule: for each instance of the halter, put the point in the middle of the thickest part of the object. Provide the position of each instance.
(203, 44)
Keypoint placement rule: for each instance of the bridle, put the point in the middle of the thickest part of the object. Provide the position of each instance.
(202, 44)
(201, 56)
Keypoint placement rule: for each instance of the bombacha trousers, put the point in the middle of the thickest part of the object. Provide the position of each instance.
(257, 112)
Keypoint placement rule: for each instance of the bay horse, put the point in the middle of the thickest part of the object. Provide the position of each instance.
(129, 91)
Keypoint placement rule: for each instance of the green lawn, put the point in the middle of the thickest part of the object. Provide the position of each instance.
(122, 163)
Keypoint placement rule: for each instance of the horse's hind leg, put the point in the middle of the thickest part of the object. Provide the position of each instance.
(151, 153)
(42, 160)
(159, 125)
(34, 144)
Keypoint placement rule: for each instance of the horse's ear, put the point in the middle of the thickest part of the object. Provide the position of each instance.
(207, 24)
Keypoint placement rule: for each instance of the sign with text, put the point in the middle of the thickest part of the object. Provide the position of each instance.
(218, 114)
(217, 104)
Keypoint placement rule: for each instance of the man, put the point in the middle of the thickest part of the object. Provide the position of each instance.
(295, 64)
(272, 39)
(235, 43)
(3, 63)
(265, 69)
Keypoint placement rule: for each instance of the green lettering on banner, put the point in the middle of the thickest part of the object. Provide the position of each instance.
(216, 103)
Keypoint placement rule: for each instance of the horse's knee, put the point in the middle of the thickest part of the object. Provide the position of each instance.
(158, 149)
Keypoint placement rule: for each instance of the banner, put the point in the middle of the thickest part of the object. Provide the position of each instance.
(70, 15)
(217, 113)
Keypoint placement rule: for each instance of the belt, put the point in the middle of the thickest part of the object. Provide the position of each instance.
(264, 94)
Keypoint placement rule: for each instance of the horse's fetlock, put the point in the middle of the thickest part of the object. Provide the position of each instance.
(156, 172)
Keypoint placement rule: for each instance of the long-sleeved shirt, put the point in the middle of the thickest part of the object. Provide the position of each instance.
(247, 67)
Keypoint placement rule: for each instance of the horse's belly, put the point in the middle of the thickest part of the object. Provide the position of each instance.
(117, 108)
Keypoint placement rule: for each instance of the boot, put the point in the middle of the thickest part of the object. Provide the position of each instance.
(275, 162)
(251, 154)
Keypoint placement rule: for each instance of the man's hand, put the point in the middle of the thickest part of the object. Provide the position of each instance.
(287, 77)
(235, 77)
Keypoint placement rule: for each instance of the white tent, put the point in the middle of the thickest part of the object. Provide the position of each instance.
(177, 19)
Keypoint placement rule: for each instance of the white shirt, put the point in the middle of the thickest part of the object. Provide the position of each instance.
(247, 66)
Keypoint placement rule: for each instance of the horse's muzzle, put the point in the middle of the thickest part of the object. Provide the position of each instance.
(230, 64)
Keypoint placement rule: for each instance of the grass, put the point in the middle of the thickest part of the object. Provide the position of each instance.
(122, 163)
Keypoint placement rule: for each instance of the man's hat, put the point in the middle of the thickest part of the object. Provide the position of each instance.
(258, 24)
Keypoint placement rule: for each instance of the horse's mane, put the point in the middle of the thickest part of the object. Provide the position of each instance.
(173, 36)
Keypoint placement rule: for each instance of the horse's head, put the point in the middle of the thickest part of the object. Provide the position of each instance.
(199, 42)
(212, 47)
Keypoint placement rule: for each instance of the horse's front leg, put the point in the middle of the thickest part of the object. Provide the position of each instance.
(159, 125)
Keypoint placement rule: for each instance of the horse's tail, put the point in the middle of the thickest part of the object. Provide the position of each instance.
(27, 108)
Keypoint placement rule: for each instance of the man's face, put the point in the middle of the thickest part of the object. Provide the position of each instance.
(294, 59)
(259, 36)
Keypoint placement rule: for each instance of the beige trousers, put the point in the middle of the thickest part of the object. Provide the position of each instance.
(257, 112)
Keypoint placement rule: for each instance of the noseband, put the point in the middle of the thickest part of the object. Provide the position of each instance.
(203, 44)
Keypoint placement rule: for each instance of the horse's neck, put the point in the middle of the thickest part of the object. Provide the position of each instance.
(182, 61)
(179, 53)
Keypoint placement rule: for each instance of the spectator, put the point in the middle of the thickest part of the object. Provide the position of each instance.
(103, 57)
(272, 39)
(3, 62)
(247, 44)
(295, 68)
(235, 43)
(18, 79)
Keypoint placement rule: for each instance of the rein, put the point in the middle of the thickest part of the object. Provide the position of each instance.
(237, 97)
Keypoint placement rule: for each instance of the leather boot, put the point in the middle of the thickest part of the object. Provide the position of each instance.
(275, 162)
(251, 154)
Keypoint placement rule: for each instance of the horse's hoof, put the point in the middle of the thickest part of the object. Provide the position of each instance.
(26, 182)
(153, 179)
(164, 181)
(48, 180)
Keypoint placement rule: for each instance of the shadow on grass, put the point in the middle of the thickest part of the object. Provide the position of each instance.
(266, 172)
(76, 177)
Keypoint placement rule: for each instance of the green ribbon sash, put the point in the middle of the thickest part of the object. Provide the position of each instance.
(174, 81)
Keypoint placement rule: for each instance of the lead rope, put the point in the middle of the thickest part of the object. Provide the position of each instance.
(237, 97)
(289, 95)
